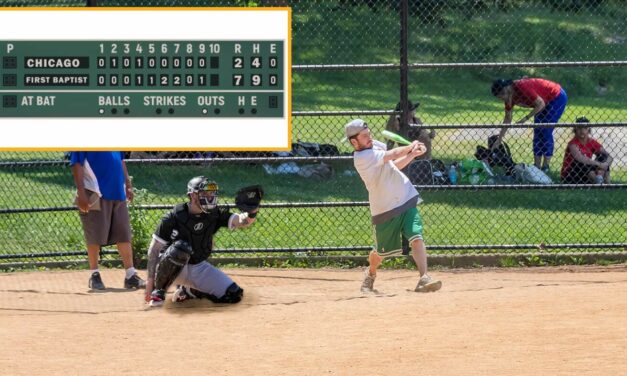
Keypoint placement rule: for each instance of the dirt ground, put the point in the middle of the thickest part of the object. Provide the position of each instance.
(537, 321)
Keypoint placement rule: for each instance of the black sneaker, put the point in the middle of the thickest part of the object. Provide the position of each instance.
(95, 282)
(134, 282)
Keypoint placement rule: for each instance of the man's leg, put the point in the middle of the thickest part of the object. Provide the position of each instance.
(121, 236)
(412, 229)
(126, 254)
(388, 242)
(374, 260)
(206, 281)
(425, 283)
(93, 255)
(419, 254)
(95, 228)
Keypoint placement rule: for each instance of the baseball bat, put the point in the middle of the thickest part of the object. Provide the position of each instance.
(394, 137)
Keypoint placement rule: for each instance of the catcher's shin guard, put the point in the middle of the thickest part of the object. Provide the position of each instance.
(172, 262)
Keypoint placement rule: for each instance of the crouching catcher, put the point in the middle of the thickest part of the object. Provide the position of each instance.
(184, 239)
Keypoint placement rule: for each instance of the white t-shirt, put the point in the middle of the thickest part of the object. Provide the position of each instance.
(388, 188)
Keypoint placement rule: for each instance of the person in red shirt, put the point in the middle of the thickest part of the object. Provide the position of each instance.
(547, 100)
(579, 167)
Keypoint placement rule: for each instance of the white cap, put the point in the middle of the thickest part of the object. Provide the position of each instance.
(354, 127)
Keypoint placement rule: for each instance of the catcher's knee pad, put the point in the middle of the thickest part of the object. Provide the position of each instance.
(172, 262)
(233, 295)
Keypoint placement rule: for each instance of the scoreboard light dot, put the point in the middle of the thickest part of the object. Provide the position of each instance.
(114, 111)
(204, 111)
(171, 111)
(241, 111)
(127, 111)
(158, 111)
(253, 111)
(216, 111)
(101, 111)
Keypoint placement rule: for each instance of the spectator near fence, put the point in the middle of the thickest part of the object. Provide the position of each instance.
(103, 186)
(393, 201)
(415, 132)
(585, 159)
(547, 100)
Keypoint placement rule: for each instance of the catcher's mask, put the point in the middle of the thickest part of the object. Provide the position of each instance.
(207, 191)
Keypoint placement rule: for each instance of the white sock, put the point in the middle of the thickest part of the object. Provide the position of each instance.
(130, 272)
(95, 271)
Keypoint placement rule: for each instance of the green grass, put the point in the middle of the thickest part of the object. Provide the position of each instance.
(467, 217)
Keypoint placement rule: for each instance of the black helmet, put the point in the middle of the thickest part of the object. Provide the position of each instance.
(202, 184)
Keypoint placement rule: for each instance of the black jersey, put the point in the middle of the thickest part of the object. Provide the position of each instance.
(196, 229)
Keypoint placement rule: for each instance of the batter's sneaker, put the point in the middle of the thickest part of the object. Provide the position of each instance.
(95, 282)
(182, 294)
(427, 284)
(134, 282)
(368, 284)
(157, 298)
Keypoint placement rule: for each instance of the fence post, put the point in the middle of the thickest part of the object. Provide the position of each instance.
(404, 122)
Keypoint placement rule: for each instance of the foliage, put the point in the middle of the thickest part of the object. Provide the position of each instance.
(141, 226)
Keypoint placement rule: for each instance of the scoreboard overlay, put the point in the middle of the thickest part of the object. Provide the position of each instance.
(146, 79)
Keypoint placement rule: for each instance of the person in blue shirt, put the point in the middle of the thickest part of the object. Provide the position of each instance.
(103, 187)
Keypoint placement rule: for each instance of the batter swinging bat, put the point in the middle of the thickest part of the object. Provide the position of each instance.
(401, 140)
(394, 137)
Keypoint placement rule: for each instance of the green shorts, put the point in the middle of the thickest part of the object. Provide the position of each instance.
(388, 233)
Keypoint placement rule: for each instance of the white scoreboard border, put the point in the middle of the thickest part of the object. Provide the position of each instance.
(163, 24)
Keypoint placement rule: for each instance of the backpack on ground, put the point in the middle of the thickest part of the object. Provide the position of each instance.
(500, 157)
(427, 172)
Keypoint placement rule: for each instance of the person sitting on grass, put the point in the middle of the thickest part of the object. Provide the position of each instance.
(579, 166)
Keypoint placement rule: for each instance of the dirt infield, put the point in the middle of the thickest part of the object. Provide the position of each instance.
(540, 321)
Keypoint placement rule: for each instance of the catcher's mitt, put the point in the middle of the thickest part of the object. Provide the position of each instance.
(248, 199)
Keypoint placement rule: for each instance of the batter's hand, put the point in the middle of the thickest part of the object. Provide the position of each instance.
(418, 149)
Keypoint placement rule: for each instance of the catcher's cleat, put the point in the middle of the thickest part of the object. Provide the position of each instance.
(134, 282)
(367, 285)
(95, 282)
(157, 298)
(182, 294)
(427, 284)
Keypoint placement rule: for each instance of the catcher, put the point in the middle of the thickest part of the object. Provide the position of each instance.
(184, 239)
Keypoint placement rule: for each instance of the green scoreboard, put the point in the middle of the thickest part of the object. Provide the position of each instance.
(212, 71)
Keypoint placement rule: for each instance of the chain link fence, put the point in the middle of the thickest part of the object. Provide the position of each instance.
(352, 59)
